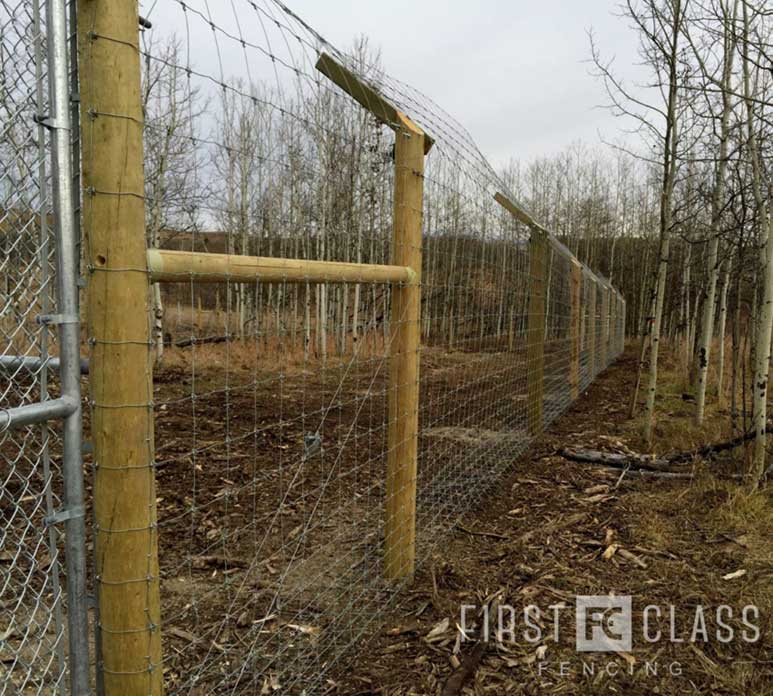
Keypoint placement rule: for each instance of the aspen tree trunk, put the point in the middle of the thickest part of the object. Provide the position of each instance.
(322, 304)
(430, 255)
(669, 173)
(646, 333)
(686, 317)
(764, 323)
(762, 364)
(754, 317)
(548, 283)
(717, 203)
(502, 294)
(482, 311)
(242, 289)
(229, 244)
(356, 301)
(373, 298)
(736, 364)
(306, 304)
(448, 316)
(155, 242)
(696, 305)
(722, 320)
(296, 289)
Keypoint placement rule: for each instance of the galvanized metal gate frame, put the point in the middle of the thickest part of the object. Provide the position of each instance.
(66, 407)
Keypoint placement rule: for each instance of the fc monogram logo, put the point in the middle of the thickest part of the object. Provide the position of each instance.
(603, 624)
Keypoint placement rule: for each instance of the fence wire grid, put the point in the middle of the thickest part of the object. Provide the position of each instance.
(270, 401)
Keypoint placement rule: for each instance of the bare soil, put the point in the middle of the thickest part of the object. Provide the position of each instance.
(271, 497)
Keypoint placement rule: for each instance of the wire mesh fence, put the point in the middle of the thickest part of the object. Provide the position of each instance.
(32, 631)
(292, 399)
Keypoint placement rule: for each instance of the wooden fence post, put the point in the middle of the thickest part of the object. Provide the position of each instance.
(405, 334)
(623, 327)
(584, 296)
(575, 289)
(121, 381)
(535, 339)
(604, 341)
(592, 327)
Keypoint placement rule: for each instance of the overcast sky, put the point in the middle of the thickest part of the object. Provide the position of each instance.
(513, 72)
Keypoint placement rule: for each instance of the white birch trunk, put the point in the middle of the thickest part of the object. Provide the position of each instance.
(722, 323)
(717, 201)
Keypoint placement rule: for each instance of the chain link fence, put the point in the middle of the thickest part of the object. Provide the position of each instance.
(32, 629)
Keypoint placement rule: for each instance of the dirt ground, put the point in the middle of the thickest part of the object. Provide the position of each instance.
(271, 558)
(556, 529)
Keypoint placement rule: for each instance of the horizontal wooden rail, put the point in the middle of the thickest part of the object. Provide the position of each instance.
(185, 266)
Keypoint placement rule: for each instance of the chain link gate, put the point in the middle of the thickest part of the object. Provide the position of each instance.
(43, 611)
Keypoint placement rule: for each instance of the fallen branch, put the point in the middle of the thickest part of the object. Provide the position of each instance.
(202, 562)
(472, 532)
(462, 674)
(654, 466)
(198, 340)
(709, 451)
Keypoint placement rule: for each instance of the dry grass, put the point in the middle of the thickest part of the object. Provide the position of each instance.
(675, 426)
(270, 353)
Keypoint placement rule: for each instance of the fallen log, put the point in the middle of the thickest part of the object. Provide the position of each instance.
(199, 340)
(645, 463)
(615, 460)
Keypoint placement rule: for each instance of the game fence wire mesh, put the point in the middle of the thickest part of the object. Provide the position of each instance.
(271, 403)
(270, 400)
(32, 631)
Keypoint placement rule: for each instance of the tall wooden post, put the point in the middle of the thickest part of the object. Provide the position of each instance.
(403, 431)
(121, 382)
(535, 339)
(604, 346)
(592, 327)
(575, 286)
(584, 295)
(613, 305)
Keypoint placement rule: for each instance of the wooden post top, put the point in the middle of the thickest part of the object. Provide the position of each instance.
(520, 213)
(369, 97)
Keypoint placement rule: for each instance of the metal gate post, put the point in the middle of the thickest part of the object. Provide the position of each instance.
(68, 320)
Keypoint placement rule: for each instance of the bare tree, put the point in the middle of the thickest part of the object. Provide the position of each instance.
(760, 182)
(659, 24)
(171, 107)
